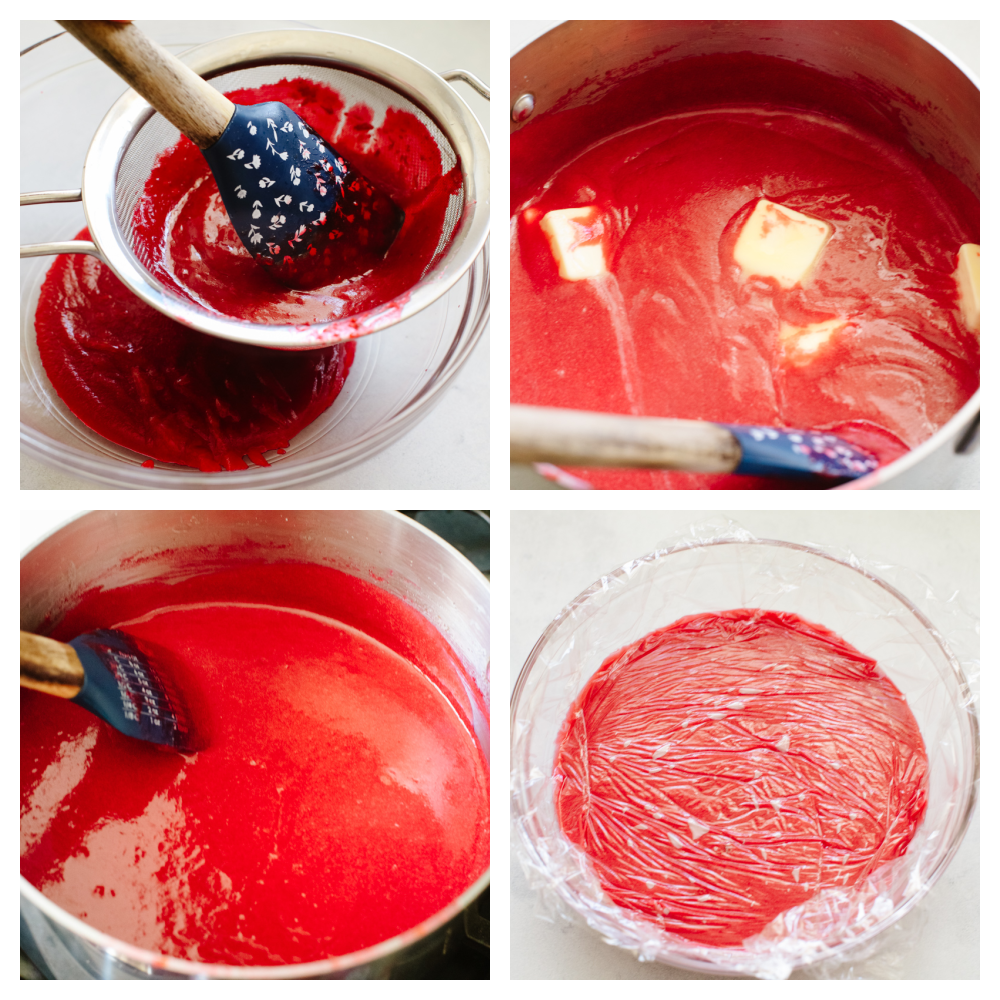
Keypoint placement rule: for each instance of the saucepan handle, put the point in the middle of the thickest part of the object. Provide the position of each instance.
(470, 78)
(67, 246)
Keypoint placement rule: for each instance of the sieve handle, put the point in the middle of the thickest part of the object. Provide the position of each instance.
(470, 78)
(67, 246)
(48, 197)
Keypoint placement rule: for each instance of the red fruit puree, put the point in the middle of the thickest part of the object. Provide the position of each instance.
(341, 800)
(731, 766)
(160, 389)
(675, 329)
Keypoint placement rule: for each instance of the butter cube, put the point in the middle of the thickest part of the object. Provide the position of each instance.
(778, 242)
(801, 343)
(574, 236)
(967, 279)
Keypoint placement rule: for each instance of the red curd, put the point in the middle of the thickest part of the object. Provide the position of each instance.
(341, 800)
(731, 766)
(175, 395)
(191, 246)
(149, 384)
(675, 329)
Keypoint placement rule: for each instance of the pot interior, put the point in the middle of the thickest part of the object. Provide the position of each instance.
(580, 70)
(105, 550)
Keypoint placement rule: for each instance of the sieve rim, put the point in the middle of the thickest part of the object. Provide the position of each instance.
(372, 60)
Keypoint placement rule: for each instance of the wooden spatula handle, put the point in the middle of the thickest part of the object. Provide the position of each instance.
(577, 437)
(176, 91)
(50, 666)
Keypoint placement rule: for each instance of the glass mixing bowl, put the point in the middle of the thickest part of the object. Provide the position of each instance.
(650, 593)
(397, 377)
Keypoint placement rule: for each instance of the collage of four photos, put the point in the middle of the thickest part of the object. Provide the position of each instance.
(743, 734)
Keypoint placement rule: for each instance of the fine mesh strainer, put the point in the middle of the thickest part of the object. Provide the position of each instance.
(132, 136)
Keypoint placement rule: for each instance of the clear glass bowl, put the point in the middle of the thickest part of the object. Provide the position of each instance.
(652, 592)
(397, 377)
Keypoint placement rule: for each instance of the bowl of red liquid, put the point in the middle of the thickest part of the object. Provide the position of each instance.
(379, 389)
(664, 137)
(692, 857)
(336, 823)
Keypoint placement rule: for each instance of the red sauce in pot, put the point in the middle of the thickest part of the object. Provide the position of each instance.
(341, 800)
(675, 329)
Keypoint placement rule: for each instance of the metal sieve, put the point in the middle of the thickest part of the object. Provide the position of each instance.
(132, 136)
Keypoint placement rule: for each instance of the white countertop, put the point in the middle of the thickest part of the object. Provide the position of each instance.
(449, 449)
(556, 555)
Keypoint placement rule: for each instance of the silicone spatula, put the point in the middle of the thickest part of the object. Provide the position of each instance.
(575, 437)
(301, 210)
(115, 677)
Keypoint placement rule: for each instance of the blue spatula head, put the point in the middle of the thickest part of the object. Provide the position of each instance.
(300, 208)
(772, 451)
(126, 684)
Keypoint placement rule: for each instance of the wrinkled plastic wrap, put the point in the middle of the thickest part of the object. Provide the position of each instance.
(719, 567)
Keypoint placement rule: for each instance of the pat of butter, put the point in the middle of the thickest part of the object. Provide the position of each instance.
(778, 242)
(574, 236)
(801, 343)
(967, 279)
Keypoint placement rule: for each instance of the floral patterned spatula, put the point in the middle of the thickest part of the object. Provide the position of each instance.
(301, 210)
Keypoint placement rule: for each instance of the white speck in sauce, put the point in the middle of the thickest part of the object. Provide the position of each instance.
(697, 830)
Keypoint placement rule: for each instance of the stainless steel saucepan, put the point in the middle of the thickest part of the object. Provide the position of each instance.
(917, 83)
(116, 548)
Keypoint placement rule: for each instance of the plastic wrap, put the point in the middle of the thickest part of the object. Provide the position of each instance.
(718, 567)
